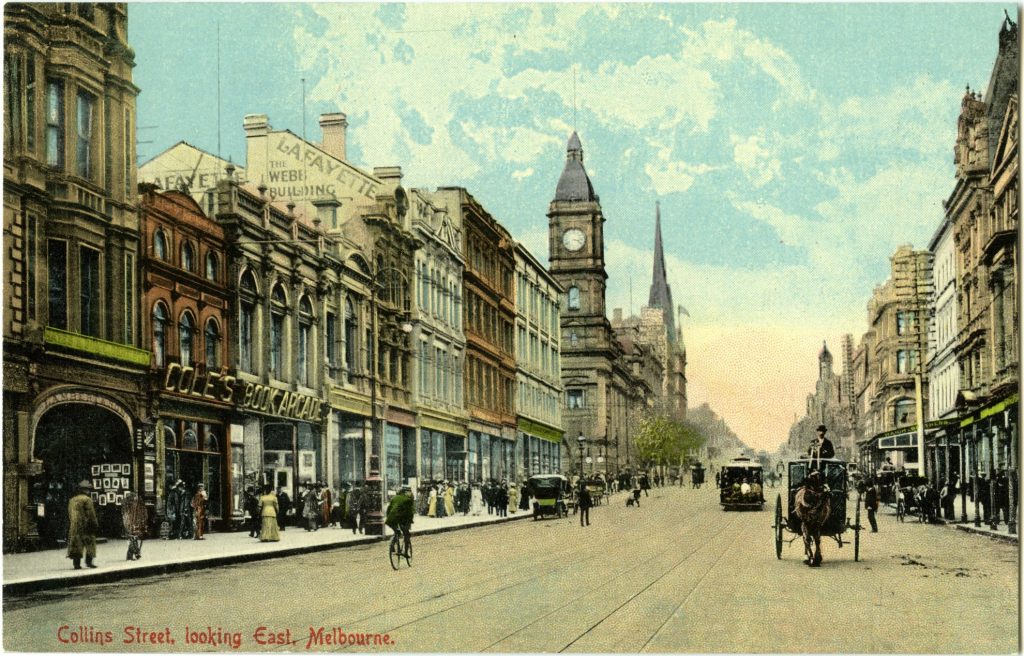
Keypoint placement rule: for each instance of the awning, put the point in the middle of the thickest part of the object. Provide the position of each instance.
(905, 440)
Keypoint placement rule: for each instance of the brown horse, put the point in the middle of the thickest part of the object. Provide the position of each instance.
(813, 508)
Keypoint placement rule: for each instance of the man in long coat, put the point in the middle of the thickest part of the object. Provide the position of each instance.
(175, 514)
(82, 527)
(284, 504)
(199, 511)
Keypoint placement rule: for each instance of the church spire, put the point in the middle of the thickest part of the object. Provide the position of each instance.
(661, 293)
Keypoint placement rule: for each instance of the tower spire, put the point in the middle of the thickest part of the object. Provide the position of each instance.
(661, 293)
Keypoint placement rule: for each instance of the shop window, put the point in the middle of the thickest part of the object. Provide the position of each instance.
(89, 291)
(190, 436)
(170, 438)
(159, 335)
(186, 328)
(212, 343)
(210, 443)
(83, 151)
(55, 123)
(188, 257)
(211, 267)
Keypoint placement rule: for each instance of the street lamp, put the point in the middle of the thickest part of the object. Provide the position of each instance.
(373, 484)
(582, 441)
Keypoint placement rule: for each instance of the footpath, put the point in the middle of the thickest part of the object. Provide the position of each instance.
(51, 569)
(1001, 532)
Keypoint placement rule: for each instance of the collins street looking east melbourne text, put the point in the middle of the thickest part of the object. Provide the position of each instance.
(511, 328)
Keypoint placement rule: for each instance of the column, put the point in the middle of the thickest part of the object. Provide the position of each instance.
(975, 470)
(963, 477)
(1011, 478)
(992, 434)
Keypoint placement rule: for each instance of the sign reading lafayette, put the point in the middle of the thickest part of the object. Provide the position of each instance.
(225, 388)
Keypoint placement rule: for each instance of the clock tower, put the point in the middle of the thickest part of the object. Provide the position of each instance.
(576, 231)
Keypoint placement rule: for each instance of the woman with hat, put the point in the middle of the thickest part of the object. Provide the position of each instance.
(268, 514)
(199, 511)
(83, 527)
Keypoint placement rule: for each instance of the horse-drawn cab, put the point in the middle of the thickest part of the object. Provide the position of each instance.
(741, 484)
(550, 493)
(831, 489)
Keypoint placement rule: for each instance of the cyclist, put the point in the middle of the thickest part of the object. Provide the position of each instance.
(400, 514)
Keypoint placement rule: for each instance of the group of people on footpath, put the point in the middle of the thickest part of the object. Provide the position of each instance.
(314, 507)
(441, 499)
(185, 512)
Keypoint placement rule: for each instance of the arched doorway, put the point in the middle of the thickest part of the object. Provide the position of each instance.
(70, 440)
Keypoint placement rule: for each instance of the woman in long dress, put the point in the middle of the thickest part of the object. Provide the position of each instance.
(268, 513)
(476, 501)
(513, 498)
(449, 501)
(432, 504)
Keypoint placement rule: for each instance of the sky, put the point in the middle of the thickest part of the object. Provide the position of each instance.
(792, 147)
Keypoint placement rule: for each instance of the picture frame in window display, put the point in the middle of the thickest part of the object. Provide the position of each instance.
(105, 468)
(125, 483)
(95, 470)
(115, 468)
(126, 469)
(119, 499)
(95, 497)
(106, 483)
(115, 484)
(111, 497)
(97, 483)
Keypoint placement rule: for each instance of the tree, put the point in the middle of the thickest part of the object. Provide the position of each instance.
(663, 441)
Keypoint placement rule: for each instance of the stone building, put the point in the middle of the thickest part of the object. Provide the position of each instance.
(488, 322)
(439, 342)
(186, 318)
(892, 355)
(599, 394)
(74, 378)
(830, 404)
(538, 369)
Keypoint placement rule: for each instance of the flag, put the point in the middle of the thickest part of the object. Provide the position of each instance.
(682, 310)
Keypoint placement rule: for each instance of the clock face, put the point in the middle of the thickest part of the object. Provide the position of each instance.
(573, 239)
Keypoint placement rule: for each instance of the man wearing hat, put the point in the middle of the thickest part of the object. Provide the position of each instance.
(83, 527)
(821, 447)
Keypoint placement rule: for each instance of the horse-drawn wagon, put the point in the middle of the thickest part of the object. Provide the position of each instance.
(816, 506)
(741, 484)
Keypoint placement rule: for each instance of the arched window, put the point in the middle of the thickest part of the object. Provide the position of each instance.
(159, 245)
(246, 321)
(903, 412)
(190, 436)
(186, 329)
(211, 442)
(159, 334)
(170, 439)
(188, 257)
(574, 298)
(278, 308)
(211, 266)
(302, 358)
(212, 342)
(351, 334)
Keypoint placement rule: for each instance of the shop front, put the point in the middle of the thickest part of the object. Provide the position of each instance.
(442, 448)
(399, 435)
(540, 448)
(491, 452)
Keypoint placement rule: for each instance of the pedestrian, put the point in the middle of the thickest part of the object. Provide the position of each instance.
(82, 527)
(199, 511)
(983, 496)
(645, 483)
(269, 508)
(284, 506)
(134, 517)
(449, 501)
(584, 502)
(513, 498)
(310, 507)
(501, 501)
(174, 510)
(636, 495)
(947, 497)
(251, 504)
(355, 509)
(325, 504)
(1002, 497)
(871, 504)
(476, 500)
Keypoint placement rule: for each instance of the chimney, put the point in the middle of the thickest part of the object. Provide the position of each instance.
(256, 125)
(333, 127)
(389, 175)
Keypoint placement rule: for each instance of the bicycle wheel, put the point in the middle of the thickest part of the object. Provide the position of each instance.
(394, 553)
(408, 554)
(901, 511)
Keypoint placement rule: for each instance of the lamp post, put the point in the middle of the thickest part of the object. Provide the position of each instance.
(581, 441)
(373, 483)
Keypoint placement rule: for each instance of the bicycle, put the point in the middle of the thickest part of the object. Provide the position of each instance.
(395, 552)
(901, 510)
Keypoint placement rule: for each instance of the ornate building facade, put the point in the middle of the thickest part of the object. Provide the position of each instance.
(74, 373)
(830, 404)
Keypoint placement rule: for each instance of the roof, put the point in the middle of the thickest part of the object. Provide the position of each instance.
(574, 184)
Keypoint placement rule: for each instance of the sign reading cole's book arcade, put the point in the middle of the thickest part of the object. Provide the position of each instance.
(244, 396)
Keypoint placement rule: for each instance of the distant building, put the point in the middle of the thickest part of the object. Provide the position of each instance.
(830, 405)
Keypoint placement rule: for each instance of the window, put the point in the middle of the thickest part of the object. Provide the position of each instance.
(573, 339)
(574, 398)
(211, 267)
(159, 335)
(331, 331)
(129, 153)
(89, 291)
(277, 311)
(188, 259)
(159, 245)
(83, 149)
(246, 319)
(57, 269)
(186, 328)
(903, 412)
(212, 342)
(906, 361)
(129, 298)
(351, 336)
(574, 298)
(302, 360)
(12, 91)
(55, 123)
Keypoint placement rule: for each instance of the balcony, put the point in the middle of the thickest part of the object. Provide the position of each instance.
(96, 347)
(996, 243)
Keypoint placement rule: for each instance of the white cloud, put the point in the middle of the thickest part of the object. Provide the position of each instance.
(522, 174)
(757, 161)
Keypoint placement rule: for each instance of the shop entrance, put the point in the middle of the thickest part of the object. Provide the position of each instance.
(74, 441)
